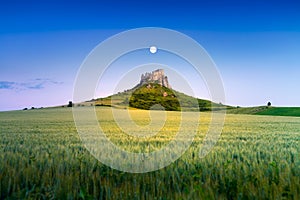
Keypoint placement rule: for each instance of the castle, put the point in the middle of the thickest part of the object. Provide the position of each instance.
(156, 76)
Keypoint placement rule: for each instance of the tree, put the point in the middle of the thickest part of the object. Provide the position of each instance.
(70, 104)
(269, 104)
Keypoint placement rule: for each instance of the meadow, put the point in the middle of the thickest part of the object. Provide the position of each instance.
(42, 157)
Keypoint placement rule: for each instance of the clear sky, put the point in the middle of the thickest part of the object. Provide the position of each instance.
(255, 45)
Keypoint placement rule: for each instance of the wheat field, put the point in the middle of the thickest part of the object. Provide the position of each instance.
(43, 157)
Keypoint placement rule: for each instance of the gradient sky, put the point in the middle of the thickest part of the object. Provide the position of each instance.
(255, 45)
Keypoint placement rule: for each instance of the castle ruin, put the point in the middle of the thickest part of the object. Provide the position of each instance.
(156, 76)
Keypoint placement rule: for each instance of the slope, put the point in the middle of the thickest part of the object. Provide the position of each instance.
(149, 95)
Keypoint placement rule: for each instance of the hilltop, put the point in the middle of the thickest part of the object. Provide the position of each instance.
(153, 90)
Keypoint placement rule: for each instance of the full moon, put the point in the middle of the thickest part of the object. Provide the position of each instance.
(153, 49)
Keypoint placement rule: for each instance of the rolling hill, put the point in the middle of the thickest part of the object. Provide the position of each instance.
(265, 110)
(281, 111)
(148, 95)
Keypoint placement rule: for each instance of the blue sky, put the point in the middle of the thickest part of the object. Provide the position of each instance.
(255, 45)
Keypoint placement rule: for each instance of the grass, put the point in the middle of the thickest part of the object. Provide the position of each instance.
(246, 110)
(42, 157)
(265, 110)
(281, 111)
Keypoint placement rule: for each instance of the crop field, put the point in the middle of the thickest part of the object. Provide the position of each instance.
(42, 157)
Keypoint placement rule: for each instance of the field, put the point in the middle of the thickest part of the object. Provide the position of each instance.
(42, 157)
(264, 110)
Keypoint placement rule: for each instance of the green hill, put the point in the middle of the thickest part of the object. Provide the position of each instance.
(149, 95)
(281, 111)
(265, 110)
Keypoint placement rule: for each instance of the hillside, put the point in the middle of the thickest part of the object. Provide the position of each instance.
(155, 92)
(264, 110)
(148, 95)
(281, 111)
(246, 110)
